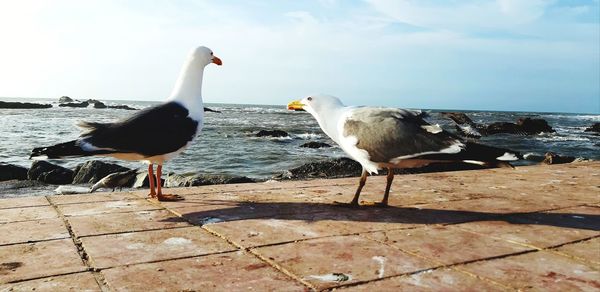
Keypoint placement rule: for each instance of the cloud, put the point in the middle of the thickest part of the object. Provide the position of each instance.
(462, 15)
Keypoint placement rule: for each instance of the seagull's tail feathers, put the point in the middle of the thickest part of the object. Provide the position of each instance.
(63, 150)
(488, 156)
(474, 153)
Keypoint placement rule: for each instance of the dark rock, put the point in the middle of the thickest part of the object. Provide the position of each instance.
(345, 167)
(9, 172)
(593, 128)
(534, 157)
(176, 180)
(524, 126)
(97, 104)
(553, 158)
(501, 127)
(339, 167)
(141, 180)
(65, 99)
(75, 104)
(459, 118)
(50, 173)
(93, 171)
(313, 144)
(123, 107)
(272, 133)
(211, 110)
(534, 126)
(23, 105)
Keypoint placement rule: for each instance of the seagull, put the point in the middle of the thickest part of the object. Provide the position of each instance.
(153, 135)
(392, 138)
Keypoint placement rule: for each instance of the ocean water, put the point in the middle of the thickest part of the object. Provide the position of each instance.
(227, 143)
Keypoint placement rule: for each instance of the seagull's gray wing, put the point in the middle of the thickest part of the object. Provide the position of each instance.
(387, 133)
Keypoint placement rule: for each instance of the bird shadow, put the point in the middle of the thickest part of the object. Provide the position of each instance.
(217, 211)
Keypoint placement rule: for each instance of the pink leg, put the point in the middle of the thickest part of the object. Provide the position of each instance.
(160, 195)
(151, 180)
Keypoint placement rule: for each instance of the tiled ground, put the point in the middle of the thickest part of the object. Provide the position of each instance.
(533, 228)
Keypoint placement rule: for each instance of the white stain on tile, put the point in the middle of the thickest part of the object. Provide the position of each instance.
(381, 261)
(177, 241)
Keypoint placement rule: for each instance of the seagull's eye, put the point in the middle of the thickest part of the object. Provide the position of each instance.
(309, 98)
(211, 53)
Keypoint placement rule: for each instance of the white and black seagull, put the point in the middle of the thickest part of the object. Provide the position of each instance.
(394, 138)
(153, 135)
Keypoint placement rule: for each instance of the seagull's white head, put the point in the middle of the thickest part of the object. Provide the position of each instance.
(204, 56)
(317, 105)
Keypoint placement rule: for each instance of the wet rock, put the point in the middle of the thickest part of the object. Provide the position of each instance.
(272, 133)
(23, 105)
(339, 167)
(123, 107)
(50, 173)
(593, 128)
(93, 171)
(97, 104)
(75, 104)
(9, 172)
(65, 99)
(534, 157)
(534, 126)
(206, 109)
(176, 180)
(314, 145)
(553, 158)
(141, 180)
(459, 118)
(524, 126)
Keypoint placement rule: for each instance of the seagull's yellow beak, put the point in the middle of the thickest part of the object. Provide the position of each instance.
(217, 61)
(295, 105)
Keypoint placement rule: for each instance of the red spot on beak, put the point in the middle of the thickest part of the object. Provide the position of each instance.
(217, 61)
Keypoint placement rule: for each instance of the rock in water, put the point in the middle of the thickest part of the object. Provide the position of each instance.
(65, 99)
(9, 172)
(74, 104)
(340, 167)
(123, 107)
(93, 171)
(524, 126)
(553, 158)
(534, 126)
(313, 144)
(176, 180)
(272, 133)
(593, 128)
(459, 118)
(50, 173)
(23, 105)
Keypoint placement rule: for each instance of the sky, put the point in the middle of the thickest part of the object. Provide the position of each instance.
(517, 55)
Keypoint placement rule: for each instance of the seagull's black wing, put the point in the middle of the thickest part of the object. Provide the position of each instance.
(154, 131)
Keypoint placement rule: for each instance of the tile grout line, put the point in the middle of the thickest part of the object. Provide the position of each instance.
(441, 265)
(100, 280)
(256, 255)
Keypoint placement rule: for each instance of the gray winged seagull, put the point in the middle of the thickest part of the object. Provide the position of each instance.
(392, 138)
(153, 135)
